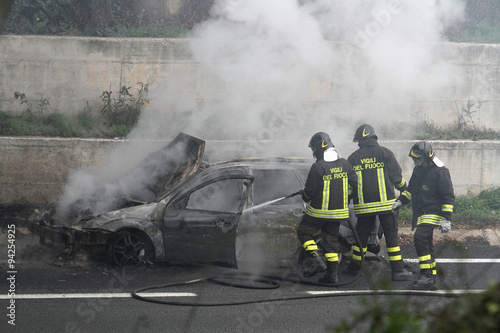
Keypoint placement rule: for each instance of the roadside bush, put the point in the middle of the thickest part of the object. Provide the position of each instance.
(474, 211)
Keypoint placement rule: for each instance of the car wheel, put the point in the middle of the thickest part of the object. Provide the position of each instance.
(127, 248)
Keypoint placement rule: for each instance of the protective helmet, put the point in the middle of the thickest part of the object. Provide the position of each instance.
(320, 142)
(364, 131)
(422, 151)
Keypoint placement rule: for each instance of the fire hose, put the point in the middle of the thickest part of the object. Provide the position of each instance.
(250, 281)
(260, 282)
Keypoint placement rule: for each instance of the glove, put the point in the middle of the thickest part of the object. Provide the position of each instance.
(445, 226)
(397, 204)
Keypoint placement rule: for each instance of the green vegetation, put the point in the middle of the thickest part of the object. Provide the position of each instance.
(420, 128)
(105, 18)
(130, 18)
(470, 211)
(116, 117)
(468, 313)
(478, 33)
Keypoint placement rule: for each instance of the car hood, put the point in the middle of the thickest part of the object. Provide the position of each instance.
(141, 215)
(158, 172)
(167, 167)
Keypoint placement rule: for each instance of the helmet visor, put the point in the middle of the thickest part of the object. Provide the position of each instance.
(418, 161)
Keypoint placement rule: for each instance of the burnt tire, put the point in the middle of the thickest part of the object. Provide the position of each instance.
(130, 248)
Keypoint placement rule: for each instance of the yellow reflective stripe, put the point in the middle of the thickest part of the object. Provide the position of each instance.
(407, 195)
(447, 208)
(326, 195)
(374, 207)
(357, 249)
(345, 184)
(403, 181)
(324, 212)
(310, 245)
(429, 219)
(336, 214)
(425, 258)
(434, 272)
(393, 249)
(382, 190)
(395, 258)
(332, 256)
(360, 187)
(425, 266)
(356, 257)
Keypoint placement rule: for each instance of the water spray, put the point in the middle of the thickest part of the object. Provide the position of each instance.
(267, 203)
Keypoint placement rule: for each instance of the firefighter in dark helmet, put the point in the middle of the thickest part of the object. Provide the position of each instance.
(378, 174)
(431, 192)
(326, 191)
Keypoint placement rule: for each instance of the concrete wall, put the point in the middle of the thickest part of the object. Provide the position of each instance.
(35, 170)
(71, 71)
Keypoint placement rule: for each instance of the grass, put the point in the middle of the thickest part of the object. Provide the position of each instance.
(116, 117)
(479, 33)
(59, 125)
(481, 211)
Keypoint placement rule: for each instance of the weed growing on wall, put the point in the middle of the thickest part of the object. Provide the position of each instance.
(122, 112)
(421, 128)
(116, 116)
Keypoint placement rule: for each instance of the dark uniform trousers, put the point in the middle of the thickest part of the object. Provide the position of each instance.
(329, 232)
(389, 224)
(423, 239)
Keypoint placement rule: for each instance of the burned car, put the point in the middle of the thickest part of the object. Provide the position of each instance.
(224, 213)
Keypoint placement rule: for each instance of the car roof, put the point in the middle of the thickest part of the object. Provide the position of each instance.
(267, 161)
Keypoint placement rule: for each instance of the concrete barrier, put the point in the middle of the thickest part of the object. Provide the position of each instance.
(71, 71)
(35, 170)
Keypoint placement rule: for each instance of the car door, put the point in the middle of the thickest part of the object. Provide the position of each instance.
(269, 232)
(199, 225)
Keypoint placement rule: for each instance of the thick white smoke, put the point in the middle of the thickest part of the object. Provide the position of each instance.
(285, 69)
(316, 65)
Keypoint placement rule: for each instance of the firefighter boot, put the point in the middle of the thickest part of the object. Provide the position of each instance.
(399, 272)
(426, 281)
(331, 275)
(313, 264)
(402, 275)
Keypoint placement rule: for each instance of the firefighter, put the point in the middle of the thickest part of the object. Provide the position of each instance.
(378, 173)
(326, 191)
(431, 192)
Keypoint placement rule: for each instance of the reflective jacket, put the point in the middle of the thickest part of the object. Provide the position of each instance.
(378, 173)
(327, 189)
(431, 192)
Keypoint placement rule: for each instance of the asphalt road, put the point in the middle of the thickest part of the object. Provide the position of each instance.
(84, 295)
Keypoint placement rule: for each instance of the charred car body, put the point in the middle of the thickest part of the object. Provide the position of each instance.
(219, 214)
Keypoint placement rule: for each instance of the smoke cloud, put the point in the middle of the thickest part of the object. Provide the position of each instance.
(298, 67)
(286, 69)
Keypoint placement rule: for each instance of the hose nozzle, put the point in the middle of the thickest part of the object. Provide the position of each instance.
(299, 192)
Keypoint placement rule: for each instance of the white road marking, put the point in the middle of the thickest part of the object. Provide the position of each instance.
(371, 292)
(461, 261)
(94, 295)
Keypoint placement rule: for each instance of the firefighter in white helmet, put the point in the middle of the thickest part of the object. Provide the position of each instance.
(431, 192)
(326, 190)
